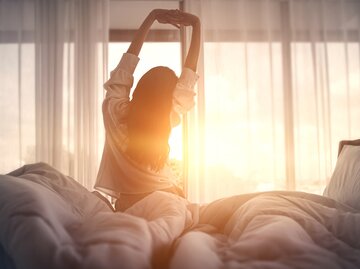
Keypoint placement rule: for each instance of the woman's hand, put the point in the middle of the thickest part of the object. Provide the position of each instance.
(178, 17)
(158, 13)
(163, 16)
(175, 17)
(141, 33)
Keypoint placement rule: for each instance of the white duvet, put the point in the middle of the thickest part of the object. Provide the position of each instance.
(47, 220)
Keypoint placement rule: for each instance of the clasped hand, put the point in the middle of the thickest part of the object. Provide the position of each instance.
(175, 17)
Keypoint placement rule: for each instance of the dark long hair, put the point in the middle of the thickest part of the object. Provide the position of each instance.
(149, 118)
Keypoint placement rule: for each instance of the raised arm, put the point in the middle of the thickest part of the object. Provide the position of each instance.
(177, 17)
(193, 53)
(138, 40)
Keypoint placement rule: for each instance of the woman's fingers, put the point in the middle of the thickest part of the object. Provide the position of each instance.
(167, 18)
(176, 17)
(181, 17)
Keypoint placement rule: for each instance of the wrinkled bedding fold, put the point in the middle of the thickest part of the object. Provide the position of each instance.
(48, 220)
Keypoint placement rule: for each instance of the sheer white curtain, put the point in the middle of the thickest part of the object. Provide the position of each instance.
(280, 88)
(53, 64)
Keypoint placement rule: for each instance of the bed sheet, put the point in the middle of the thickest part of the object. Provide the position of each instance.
(48, 220)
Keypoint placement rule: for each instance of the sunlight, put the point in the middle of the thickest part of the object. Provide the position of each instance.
(176, 143)
(170, 52)
(239, 147)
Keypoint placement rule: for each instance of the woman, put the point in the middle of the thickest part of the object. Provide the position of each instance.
(134, 161)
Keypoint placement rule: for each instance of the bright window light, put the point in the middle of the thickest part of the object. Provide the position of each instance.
(154, 54)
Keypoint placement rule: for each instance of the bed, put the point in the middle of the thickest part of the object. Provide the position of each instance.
(48, 220)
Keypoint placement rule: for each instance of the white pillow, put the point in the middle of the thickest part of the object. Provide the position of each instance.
(344, 185)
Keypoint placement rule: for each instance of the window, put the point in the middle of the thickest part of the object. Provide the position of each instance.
(273, 90)
(244, 126)
(280, 80)
(17, 131)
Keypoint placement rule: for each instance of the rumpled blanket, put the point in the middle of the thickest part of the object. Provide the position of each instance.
(48, 220)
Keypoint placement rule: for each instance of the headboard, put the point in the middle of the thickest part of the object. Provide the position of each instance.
(348, 142)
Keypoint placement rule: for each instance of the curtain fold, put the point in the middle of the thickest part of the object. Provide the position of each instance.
(67, 48)
(17, 87)
(280, 90)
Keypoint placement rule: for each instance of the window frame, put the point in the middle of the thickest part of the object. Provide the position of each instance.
(285, 36)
